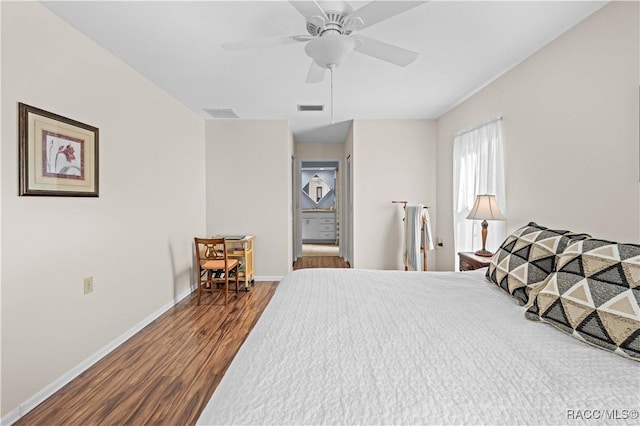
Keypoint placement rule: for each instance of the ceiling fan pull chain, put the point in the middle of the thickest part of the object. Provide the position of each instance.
(332, 67)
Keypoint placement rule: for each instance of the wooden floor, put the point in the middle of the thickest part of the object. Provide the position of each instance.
(320, 262)
(166, 373)
(320, 249)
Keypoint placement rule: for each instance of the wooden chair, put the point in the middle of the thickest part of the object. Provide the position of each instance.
(214, 266)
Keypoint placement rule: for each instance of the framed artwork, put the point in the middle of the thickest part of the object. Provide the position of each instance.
(58, 156)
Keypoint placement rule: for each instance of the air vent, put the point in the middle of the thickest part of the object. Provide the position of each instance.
(310, 107)
(221, 112)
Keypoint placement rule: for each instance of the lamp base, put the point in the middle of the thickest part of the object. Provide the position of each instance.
(484, 253)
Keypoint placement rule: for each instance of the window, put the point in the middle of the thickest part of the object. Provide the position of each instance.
(478, 168)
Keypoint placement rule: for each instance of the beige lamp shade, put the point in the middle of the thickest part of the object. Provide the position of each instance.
(486, 208)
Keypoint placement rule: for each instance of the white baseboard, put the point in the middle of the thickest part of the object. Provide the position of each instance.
(269, 278)
(17, 413)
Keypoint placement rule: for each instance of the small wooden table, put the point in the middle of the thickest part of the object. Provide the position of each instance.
(470, 261)
(241, 247)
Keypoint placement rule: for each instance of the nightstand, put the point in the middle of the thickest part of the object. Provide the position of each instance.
(470, 261)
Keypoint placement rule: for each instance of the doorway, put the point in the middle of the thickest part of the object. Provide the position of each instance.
(320, 203)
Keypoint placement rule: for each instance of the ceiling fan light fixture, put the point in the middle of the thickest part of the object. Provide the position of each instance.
(331, 49)
(354, 24)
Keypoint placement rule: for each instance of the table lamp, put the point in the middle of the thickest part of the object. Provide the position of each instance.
(485, 208)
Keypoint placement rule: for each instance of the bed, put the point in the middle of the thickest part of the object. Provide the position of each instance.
(343, 346)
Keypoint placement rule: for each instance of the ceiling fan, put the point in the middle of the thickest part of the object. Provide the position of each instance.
(333, 27)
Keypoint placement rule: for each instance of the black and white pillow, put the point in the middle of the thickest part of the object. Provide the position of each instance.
(527, 257)
(594, 296)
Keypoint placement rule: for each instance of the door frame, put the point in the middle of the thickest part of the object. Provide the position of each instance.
(297, 188)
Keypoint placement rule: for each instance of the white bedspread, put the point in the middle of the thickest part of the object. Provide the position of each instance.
(389, 347)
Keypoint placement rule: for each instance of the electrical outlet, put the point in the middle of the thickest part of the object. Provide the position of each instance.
(88, 285)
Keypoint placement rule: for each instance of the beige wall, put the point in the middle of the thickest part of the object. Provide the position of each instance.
(292, 235)
(570, 132)
(319, 151)
(393, 160)
(135, 239)
(348, 211)
(249, 187)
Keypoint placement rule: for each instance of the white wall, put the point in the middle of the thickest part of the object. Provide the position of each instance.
(249, 187)
(570, 132)
(135, 239)
(393, 160)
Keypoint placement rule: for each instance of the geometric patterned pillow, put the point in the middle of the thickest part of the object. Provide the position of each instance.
(527, 257)
(595, 296)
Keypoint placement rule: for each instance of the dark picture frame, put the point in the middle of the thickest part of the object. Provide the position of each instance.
(58, 156)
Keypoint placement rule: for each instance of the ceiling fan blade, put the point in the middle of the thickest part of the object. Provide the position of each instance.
(377, 11)
(252, 44)
(316, 73)
(385, 51)
(308, 8)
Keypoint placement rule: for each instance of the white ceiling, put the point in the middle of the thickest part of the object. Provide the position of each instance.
(462, 46)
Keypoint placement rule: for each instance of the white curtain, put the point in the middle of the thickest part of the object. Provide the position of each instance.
(478, 168)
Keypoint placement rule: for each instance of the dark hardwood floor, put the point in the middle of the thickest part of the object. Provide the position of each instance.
(166, 373)
(320, 262)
